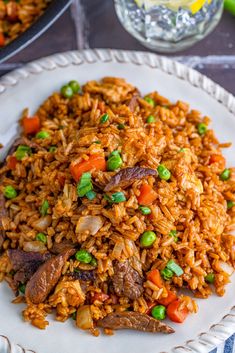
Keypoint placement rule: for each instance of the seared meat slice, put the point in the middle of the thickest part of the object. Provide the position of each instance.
(84, 275)
(46, 278)
(58, 248)
(127, 282)
(134, 321)
(134, 101)
(127, 176)
(25, 263)
(23, 141)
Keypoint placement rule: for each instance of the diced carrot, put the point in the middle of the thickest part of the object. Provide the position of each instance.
(217, 158)
(101, 297)
(31, 125)
(11, 162)
(2, 40)
(169, 299)
(155, 277)
(96, 161)
(147, 195)
(175, 313)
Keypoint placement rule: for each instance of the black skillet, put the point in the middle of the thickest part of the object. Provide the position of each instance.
(54, 10)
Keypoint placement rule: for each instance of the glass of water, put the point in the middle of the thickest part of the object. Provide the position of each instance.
(169, 26)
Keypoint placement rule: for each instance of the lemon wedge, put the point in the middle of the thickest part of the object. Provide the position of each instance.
(192, 5)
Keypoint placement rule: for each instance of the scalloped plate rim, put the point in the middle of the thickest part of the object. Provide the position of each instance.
(168, 66)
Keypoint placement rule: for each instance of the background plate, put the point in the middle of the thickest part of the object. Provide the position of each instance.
(28, 87)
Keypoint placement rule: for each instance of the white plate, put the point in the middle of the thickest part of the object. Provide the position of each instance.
(28, 87)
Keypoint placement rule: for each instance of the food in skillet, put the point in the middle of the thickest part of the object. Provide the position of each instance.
(111, 203)
(18, 15)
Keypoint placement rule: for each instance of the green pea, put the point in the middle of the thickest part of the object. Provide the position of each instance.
(41, 237)
(67, 91)
(22, 288)
(22, 151)
(121, 126)
(93, 262)
(44, 208)
(10, 192)
(114, 153)
(91, 195)
(202, 128)
(74, 85)
(74, 315)
(145, 210)
(114, 162)
(83, 256)
(210, 278)
(104, 118)
(150, 119)
(173, 233)
(163, 172)
(159, 312)
(52, 149)
(225, 175)
(230, 204)
(42, 135)
(147, 239)
(149, 101)
(167, 274)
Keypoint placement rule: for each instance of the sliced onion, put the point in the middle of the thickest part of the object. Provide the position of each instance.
(84, 319)
(136, 264)
(226, 267)
(89, 223)
(34, 246)
(118, 249)
(42, 223)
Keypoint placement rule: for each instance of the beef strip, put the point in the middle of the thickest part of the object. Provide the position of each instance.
(133, 101)
(46, 278)
(22, 141)
(58, 248)
(25, 263)
(84, 275)
(134, 321)
(25, 141)
(127, 176)
(126, 281)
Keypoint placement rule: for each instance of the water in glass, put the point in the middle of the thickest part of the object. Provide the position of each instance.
(169, 25)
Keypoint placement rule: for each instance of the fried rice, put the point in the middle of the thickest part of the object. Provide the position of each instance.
(191, 214)
(17, 16)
